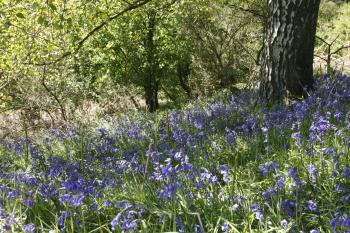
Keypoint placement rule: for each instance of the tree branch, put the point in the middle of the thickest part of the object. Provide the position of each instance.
(250, 11)
(62, 109)
(324, 59)
(131, 7)
(321, 39)
(339, 49)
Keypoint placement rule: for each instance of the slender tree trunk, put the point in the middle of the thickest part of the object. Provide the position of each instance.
(151, 82)
(151, 96)
(287, 66)
(183, 72)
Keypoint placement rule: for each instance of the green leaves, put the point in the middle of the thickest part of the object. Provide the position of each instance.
(42, 21)
(20, 15)
(52, 6)
(69, 23)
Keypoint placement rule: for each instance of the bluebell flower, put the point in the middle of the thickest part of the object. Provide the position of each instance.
(129, 225)
(346, 173)
(29, 228)
(225, 171)
(340, 220)
(269, 194)
(340, 188)
(168, 191)
(345, 198)
(198, 228)
(47, 190)
(284, 224)
(294, 174)
(289, 206)
(259, 215)
(77, 200)
(268, 167)
(116, 221)
(65, 216)
(332, 150)
(338, 114)
(14, 194)
(239, 198)
(225, 227)
(313, 172)
(65, 198)
(180, 225)
(28, 202)
(312, 206)
(235, 207)
(258, 212)
(231, 137)
(107, 203)
(280, 181)
(344, 221)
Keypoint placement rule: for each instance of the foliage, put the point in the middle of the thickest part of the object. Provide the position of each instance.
(223, 164)
(334, 26)
(39, 39)
(215, 166)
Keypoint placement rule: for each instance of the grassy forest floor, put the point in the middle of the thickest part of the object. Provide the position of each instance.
(225, 164)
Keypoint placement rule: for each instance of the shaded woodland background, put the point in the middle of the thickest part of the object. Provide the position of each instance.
(157, 56)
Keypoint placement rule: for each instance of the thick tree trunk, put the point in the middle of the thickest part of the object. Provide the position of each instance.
(287, 66)
(151, 82)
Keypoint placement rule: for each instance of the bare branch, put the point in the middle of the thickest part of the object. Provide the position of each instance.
(336, 38)
(339, 49)
(324, 59)
(62, 109)
(250, 11)
(321, 39)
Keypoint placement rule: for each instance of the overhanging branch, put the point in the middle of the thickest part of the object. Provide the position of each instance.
(131, 7)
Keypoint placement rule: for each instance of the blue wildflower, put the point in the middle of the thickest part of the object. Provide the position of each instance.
(294, 174)
(235, 207)
(268, 167)
(312, 206)
(313, 172)
(180, 224)
(198, 228)
(290, 207)
(29, 228)
(225, 227)
(284, 224)
(65, 215)
(258, 211)
(346, 173)
(280, 181)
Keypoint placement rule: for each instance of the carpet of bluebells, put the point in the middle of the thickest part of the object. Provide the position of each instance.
(220, 165)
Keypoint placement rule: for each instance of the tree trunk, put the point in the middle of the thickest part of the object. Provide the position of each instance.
(287, 66)
(151, 96)
(151, 82)
(183, 72)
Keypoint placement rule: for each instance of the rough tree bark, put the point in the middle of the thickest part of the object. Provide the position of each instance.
(287, 65)
(151, 82)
